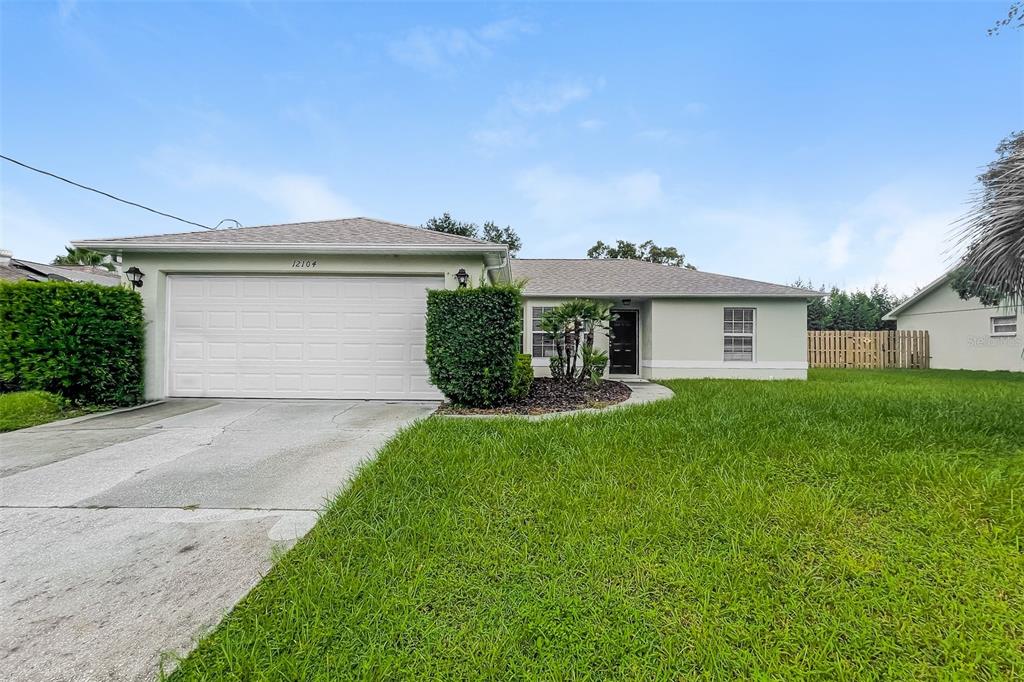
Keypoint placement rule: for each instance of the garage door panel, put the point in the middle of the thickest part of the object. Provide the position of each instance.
(224, 287)
(288, 321)
(314, 336)
(287, 351)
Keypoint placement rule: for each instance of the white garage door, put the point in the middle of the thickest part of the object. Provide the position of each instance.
(298, 337)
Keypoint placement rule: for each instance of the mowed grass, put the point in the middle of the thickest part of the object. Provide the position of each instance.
(860, 524)
(28, 408)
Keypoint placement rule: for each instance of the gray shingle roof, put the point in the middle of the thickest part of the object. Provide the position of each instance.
(346, 231)
(612, 277)
(19, 269)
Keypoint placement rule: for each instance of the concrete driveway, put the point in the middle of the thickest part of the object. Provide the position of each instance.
(126, 536)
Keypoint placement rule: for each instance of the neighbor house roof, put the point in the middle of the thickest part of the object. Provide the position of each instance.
(613, 277)
(335, 234)
(16, 269)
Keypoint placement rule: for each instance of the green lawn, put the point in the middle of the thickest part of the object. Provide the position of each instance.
(30, 408)
(860, 524)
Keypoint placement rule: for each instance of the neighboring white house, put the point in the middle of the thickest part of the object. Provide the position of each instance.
(962, 334)
(335, 309)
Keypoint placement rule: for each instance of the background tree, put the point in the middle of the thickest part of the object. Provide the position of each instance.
(844, 311)
(1015, 18)
(491, 232)
(647, 251)
(450, 225)
(992, 231)
(83, 257)
(502, 235)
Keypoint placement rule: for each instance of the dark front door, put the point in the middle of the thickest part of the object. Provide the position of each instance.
(622, 347)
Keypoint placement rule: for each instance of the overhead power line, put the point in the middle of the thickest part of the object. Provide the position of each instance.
(117, 198)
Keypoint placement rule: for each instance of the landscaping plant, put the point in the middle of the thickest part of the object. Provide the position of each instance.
(574, 325)
(522, 378)
(27, 408)
(81, 341)
(473, 341)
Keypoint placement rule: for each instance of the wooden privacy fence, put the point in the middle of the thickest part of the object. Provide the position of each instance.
(868, 350)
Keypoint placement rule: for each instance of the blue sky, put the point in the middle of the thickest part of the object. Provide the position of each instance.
(828, 141)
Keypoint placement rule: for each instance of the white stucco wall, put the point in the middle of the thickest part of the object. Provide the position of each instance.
(683, 338)
(687, 339)
(959, 332)
(157, 266)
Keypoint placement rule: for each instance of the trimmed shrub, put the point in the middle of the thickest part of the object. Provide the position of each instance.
(522, 377)
(473, 338)
(81, 341)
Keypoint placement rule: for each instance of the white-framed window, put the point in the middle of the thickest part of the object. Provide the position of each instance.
(542, 342)
(1005, 325)
(739, 334)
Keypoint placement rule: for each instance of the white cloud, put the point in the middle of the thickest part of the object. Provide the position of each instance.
(837, 248)
(894, 236)
(592, 125)
(296, 196)
(665, 136)
(571, 199)
(529, 99)
(67, 9)
(504, 30)
(507, 124)
(438, 50)
(27, 232)
(903, 233)
(290, 196)
(695, 108)
(492, 140)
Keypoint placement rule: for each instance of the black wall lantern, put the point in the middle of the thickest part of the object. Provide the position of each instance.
(463, 277)
(135, 276)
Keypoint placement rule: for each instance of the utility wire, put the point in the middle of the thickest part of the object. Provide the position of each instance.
(116, 198)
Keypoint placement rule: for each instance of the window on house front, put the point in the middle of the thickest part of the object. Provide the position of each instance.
(543, 343)
(1004, 326)
(739, 334)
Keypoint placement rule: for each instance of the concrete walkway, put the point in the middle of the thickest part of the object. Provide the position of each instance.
(124, 536)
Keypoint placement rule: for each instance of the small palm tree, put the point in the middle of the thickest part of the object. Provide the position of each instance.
(83, 257)
(573, 325)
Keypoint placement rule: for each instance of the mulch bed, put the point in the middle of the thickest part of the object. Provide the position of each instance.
(547, 395)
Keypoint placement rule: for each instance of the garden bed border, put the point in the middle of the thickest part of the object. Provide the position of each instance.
(641, 392)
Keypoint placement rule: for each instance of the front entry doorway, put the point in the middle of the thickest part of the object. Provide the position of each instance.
(623, 348)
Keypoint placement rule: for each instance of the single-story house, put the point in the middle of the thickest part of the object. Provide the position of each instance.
(335, 309)
(17, 269)
(962, 334)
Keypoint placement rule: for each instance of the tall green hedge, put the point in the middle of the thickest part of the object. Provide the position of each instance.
(82, 341)
(473, 338)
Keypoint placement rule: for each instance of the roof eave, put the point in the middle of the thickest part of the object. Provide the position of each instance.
(670, 294)
(927, 289)
(115, 247)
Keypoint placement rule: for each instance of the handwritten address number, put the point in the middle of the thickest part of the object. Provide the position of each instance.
(303, 263)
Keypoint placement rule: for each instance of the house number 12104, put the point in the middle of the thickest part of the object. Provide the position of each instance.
(303, 263)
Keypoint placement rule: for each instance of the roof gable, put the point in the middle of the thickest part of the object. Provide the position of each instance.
(621, 277)
(917, 296)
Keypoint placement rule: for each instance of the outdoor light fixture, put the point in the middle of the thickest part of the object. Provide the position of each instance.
(463, 277)
(135, 276)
